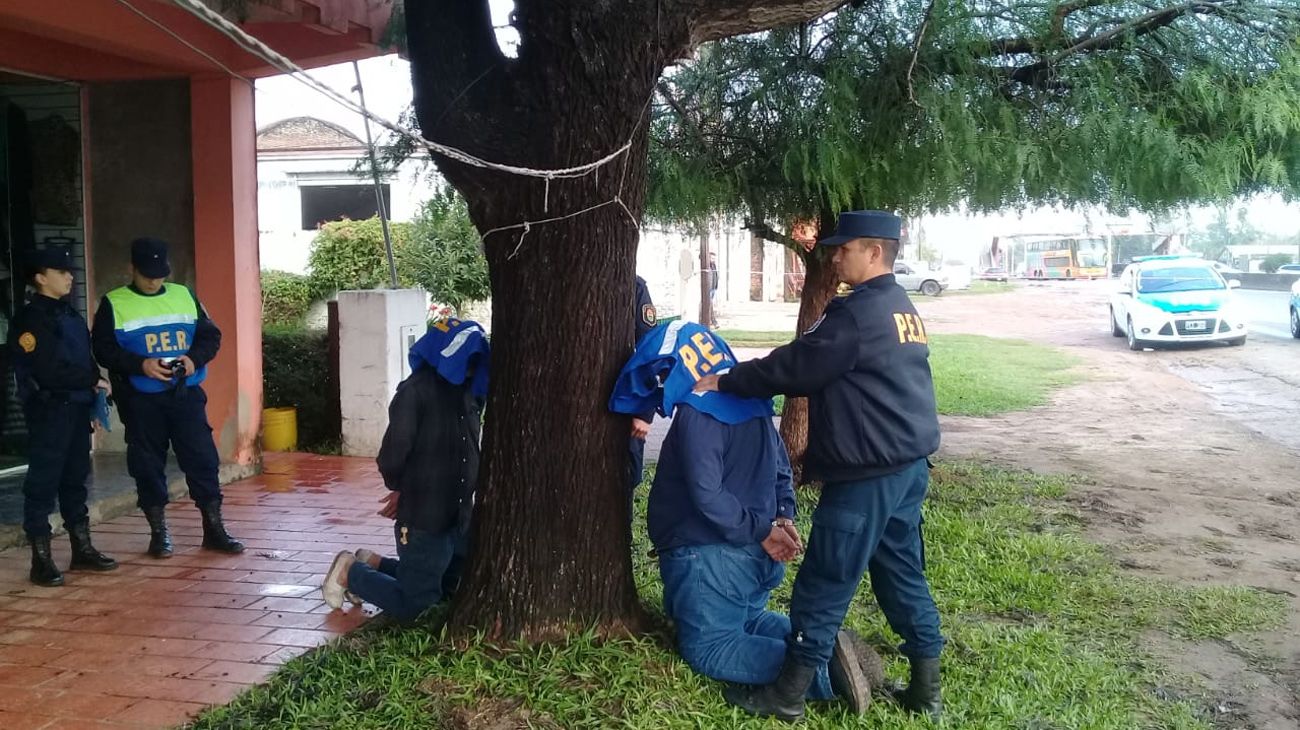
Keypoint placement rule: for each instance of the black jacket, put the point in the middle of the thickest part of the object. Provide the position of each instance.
(122, 362)
(50, 347)
(430, 451)
(865, 369)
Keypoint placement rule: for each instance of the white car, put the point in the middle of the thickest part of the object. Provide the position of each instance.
(913, 278)
(1165, 299)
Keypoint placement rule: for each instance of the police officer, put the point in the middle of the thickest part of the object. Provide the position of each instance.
(156, 340)
(872, 424)
(645, 321)
(57, 378)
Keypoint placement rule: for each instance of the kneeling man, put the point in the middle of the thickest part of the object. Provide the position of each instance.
(721, 516)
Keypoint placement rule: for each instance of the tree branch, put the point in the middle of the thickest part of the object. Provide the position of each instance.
(708, 21)
(452, 45)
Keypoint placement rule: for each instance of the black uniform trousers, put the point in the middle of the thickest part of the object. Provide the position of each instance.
(58, 463)
(175, 417)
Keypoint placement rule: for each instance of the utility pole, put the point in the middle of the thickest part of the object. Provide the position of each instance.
(374, 174)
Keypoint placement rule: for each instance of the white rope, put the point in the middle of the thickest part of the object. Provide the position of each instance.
(184, 42)
(266, 53)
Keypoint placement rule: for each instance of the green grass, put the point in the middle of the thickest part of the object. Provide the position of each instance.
(1044, 633)
(984, 376)
(755, 338)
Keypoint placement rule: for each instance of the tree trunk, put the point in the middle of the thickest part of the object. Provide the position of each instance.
(819, 287)
(706, 283)
(756, 246)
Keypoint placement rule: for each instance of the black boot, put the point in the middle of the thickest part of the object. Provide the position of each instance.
(215, 536)
(44, 571)
(922, 694)
(782, 699)
(84, 555)
(160, 541)
(847, 678)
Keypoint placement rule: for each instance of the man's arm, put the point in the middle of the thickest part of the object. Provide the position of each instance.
(703, 441)
(33, 348)
(108, 351)
(207, 337)
(399, 438)
(646, 316)
(785, 502)
(802, 367)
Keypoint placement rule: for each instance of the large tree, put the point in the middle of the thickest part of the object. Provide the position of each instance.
(918, 106)
(551, 537)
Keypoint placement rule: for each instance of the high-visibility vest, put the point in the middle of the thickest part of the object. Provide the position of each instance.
(161, 326)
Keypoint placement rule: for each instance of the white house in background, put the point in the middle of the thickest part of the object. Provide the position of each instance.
(307, 174)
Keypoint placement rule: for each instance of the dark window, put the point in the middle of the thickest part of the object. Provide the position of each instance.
(325, 203)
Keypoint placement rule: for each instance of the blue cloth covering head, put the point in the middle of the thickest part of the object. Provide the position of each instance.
(452, 348)
(668, 361)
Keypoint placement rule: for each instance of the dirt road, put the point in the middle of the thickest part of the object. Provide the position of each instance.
(1194, 460)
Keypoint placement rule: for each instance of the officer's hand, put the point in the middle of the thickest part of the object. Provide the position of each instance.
(640, 429)
(190, 369)
(389, 501)
(153, 368)
(779, 545)
(707, 384)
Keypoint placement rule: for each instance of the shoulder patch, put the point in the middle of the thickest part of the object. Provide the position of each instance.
(648, 314)
(27, 341)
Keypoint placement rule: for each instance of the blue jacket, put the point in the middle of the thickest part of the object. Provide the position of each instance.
(865, 369)
(718, 483)
(50, 346)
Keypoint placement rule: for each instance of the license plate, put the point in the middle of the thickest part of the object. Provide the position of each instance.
(1195, 326)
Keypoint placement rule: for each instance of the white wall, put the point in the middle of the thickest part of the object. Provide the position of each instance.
(283, 245)
(375, 331)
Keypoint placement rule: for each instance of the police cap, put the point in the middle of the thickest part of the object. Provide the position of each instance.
(54, 257)
(865, 224)
(149, 257)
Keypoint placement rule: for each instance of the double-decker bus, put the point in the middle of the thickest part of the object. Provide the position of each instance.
(1065, 257)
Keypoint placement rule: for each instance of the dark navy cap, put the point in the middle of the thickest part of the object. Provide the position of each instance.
(149, 257)
(51, 257)
(865, 224)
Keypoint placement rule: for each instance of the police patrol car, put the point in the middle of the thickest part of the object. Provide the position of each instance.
(1175, 299)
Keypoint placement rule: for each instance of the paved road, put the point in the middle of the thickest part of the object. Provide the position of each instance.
(1267, 312)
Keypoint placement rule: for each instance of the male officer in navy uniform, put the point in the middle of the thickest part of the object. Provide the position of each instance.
(872, 424)
(645, 321)
(156, 340)
(57, 378)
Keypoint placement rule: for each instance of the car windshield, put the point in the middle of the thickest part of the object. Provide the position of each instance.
(1178, 278)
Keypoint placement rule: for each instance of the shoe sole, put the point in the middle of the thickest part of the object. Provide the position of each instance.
(92, 567)
(847, 679)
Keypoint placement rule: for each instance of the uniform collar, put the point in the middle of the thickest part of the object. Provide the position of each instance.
(161, 290)
(880, 282)
(41, 300)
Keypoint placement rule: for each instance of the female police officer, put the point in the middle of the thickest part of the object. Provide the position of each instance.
(57, 377)
(872, 424)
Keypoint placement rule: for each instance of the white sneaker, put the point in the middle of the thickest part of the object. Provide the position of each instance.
(331, 587)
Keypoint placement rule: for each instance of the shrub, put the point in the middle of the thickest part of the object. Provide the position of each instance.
(285, 298)
(1273, 262)
(350, 255)
(295, 373)
(444, 255)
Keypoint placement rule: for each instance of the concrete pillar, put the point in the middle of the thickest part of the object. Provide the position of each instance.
(376, 330)
(224, 152)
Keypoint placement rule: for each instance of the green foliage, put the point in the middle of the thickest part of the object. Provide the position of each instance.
(1044, 632)
(1273, 262)
(295, 370)
(285, 298)
(1115, 103)
(444, 255)
(350, 255)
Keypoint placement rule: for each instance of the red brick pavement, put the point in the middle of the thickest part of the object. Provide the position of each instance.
(155, 641)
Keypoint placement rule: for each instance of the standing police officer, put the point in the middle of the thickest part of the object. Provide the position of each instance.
(872, 424)
(156, 340)
(645, 321)
(57, 378)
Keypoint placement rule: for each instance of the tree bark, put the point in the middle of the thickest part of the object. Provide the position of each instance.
(819, 286)
(706, 282)
(550, 536)
(756, 246)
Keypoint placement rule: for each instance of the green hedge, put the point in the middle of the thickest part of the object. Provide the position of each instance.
(295, 371)
(286, 298)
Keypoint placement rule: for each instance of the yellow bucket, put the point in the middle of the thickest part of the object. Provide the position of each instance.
(280, 429)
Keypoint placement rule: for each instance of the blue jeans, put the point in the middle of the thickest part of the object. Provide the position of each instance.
(871, 525)
(717, 596)
(406, 586)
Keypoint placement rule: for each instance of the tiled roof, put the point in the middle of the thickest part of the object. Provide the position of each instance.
(305, 133)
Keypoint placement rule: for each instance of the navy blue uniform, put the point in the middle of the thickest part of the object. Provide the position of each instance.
(872, 424)
(645, 321)
(50, 347)
(176, 417)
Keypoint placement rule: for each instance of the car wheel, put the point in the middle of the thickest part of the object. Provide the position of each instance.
(1295, 323)
(931, 288)
(1237, 341)
(1114, 326)
(1133, 342)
